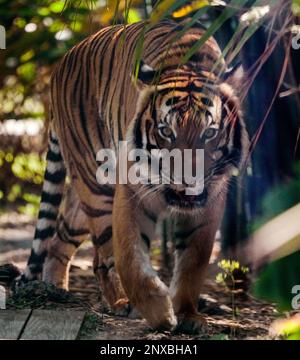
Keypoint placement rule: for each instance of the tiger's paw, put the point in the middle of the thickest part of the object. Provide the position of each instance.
(191, 324)
(123, 308)
(159, 313)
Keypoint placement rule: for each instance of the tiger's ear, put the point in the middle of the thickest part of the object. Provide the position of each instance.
(234, 76)
(146, 73)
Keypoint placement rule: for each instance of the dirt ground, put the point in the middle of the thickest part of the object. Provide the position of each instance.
(252, 320)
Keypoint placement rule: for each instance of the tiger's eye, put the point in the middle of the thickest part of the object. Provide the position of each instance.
(210, 133)
(166, 131)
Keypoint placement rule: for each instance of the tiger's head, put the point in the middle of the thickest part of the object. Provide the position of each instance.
(188, 110)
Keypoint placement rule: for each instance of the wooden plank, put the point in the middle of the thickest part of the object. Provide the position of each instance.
(53, 325)
(12, 322)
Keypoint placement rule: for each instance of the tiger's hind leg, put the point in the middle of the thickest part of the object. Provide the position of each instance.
(71, 231)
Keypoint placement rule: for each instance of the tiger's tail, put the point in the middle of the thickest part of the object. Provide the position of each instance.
(53, 187)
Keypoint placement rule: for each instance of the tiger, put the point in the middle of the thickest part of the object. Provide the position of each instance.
(100, 94)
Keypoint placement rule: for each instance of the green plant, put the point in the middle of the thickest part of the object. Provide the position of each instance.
(21, 176)
(230, 276)
(219, 337)
(92, 323)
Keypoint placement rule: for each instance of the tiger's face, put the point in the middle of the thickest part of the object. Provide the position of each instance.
(190, 114)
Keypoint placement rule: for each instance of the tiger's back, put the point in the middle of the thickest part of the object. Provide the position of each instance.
(93, 96)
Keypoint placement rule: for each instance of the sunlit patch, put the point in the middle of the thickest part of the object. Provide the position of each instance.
(31, 27)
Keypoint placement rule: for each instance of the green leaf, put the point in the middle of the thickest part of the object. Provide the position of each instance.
(57, 6)
(227, 13)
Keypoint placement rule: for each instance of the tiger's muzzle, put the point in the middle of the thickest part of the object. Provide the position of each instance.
(182, 200)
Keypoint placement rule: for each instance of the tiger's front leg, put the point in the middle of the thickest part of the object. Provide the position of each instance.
(194, 239)
(146, 292)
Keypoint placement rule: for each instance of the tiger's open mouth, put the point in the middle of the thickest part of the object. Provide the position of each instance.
(180, 199)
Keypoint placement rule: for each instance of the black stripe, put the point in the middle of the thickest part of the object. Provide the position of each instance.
(44, 233)
(202, 57)
(36, 269)
(207, 102)
(150, 215)
(62, 258)
(52, 139)
(110, 69)
(93, 212)
(102, 45)
(173, 100)
(236, 153)
(54, 157)
(35, 259)
(68, 69)
(70, 231)
(146, 240)
(46, 214)
(56, 178)
(86, 57)
(109, 201)
(83, 122)
(68, 240)
(180, 246)
(107, 190)
(53, 199)
(91, 183)
(101, 128)
(89, 166)
(149, 146)
(138, 136)
(189, 88)
(104, 237)
(101, 267)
